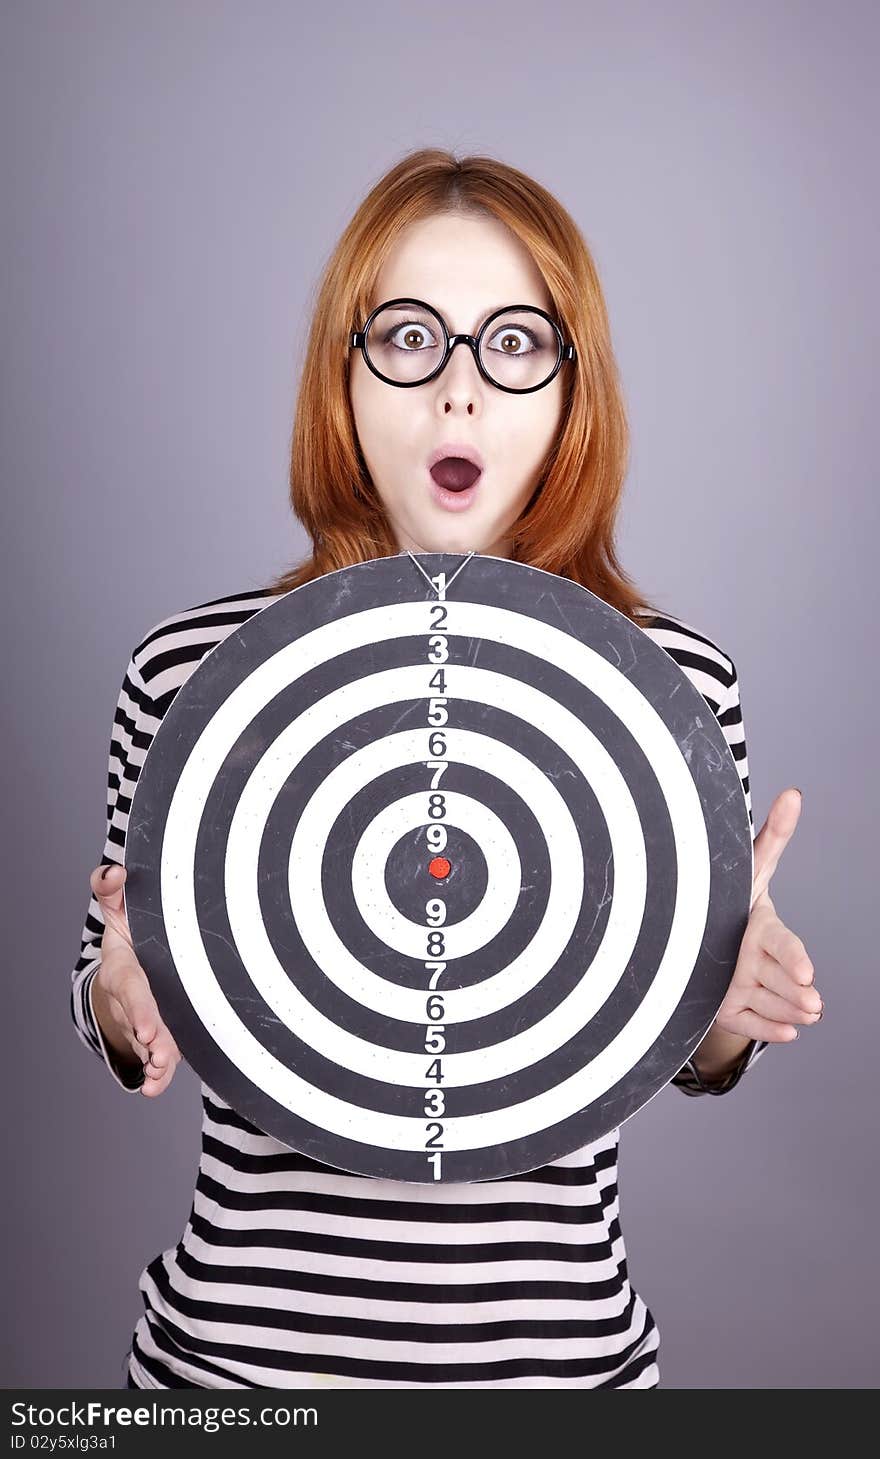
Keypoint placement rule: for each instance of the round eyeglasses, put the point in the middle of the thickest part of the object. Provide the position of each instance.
(406, 342)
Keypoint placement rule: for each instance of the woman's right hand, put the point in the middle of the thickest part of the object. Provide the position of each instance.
(128, 999)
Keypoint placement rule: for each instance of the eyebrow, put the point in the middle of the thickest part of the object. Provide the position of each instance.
(401, 309)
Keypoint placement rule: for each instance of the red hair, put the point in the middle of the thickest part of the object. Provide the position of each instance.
(568, 527)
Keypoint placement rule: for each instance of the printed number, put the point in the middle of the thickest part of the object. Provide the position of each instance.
(438, 681)
(436, 837)
(439, 613)
(435, 1102)
(439, 648)
(435, 1138)
(436, 944)
(435, 911)
(437, 713)
(437, 806)
(434, 1008)
(436, 969)
(435, 1160)
(435, 1071)
(435, 1043)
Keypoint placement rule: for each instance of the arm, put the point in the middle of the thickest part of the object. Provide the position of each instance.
(715, 1075)
(134, 724)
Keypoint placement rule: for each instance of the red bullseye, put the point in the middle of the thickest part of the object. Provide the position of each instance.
(440, 866)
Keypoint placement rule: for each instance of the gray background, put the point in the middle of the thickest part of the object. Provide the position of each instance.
(174, 177)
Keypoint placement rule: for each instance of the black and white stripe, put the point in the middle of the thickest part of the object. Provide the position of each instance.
(290, 1273)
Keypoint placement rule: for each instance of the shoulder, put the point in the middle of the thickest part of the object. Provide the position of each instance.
(172, 648)
(709, 667)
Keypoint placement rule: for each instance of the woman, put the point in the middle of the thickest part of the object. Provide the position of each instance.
(290, 1273)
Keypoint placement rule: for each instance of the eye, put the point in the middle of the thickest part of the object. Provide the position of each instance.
(512, 340)
(410, 337)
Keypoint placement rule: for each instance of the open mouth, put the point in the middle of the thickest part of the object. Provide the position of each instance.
(454, 473)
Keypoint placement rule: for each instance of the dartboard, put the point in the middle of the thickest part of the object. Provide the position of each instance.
(438, 868)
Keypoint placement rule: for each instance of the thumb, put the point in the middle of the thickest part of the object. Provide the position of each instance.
(773, 838)
(107, 883)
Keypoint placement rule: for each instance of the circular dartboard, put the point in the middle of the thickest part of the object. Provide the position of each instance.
(438, 868)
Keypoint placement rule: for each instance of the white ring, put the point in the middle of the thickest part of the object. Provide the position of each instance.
(370, 857)
(469, 620)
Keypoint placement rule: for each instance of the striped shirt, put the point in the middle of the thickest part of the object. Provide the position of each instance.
(293, 1274)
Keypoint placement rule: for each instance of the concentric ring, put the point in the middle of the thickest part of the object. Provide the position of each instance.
(296, 759)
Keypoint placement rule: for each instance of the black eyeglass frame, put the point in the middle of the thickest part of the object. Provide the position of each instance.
(358, 340)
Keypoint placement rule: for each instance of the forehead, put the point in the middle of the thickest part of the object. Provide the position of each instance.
(463, 265)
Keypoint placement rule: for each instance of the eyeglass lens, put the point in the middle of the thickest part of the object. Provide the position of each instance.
(519, 349)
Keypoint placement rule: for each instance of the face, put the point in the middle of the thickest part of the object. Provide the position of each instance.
(466, 267)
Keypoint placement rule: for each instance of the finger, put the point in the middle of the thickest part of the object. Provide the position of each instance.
(788, 950)
(771, 975)
(780, 1010)
(155, 1064)
(132, 992)
(773, 838)
(153, 1087)
(155, 1071)
(162, 1052)
(140, 1049)
(753, 1025)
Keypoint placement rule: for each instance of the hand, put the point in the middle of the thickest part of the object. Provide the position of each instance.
(772, 987)
(127, 997)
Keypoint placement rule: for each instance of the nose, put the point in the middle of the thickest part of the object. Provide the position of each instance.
(460, 384)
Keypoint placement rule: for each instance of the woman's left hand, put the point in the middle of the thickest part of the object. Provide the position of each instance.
(772, 987)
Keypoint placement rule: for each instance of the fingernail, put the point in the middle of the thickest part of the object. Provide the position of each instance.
(799, 791)
(797, 1034)
(104, 872)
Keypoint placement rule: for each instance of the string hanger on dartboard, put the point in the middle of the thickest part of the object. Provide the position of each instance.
(441, 592)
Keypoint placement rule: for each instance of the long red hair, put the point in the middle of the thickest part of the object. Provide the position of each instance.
(569, 524)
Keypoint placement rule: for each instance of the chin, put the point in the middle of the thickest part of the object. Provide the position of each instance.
(458, 539)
